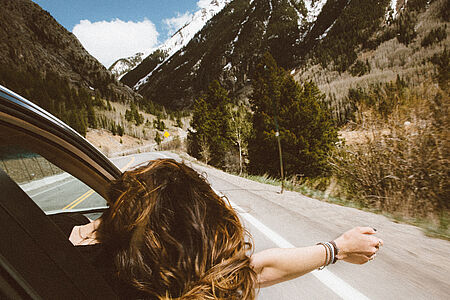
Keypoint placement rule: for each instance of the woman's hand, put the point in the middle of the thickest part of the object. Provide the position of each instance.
(358, 245)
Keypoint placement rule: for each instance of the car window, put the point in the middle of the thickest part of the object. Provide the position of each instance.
(50, 187)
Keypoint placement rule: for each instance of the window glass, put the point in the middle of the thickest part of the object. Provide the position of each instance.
(49, 186)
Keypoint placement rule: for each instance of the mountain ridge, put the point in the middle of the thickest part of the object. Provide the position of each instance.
(34, 39)
(45, 63)
(297, 33)
(178, 40)
(250, 28)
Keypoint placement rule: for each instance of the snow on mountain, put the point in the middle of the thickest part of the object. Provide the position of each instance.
(199, 19)
(324, 34)
(314, 8)
(394, 8)
(180, 38)
(121, 66)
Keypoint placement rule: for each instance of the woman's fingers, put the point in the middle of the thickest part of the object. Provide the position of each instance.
(357, 259)
(359, 244)
(366, 230)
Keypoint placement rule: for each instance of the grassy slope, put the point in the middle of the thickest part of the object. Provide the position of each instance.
(388, 60)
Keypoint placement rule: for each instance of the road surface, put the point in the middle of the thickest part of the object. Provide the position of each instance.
(409, 266)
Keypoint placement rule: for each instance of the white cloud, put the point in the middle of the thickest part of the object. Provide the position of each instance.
(109, 41)
(175, 23)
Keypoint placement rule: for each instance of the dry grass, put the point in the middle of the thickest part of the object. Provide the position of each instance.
(388, 60)
(144, 131)
(176, 144)
(401, 166)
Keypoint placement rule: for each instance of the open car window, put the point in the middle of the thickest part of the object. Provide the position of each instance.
(45, 166)
(51, 188)
(52, 163)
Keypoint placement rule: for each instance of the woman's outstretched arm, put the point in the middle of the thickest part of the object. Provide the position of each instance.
(276, 265)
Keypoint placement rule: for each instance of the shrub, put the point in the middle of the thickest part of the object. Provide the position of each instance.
(434, 36)
(403, 165)
(174, 144)
(442, 62)
(360, 68)
(405, 27)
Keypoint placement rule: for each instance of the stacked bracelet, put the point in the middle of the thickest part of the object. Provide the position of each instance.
(331, 252)
(336, 251)
(326, 256)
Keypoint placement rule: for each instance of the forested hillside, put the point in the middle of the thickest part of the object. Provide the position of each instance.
(365, 120)
(45, 63)
(348, 97)
(296, 33)
(412, 45)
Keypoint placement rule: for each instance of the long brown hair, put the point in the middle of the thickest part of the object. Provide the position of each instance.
(173, 237)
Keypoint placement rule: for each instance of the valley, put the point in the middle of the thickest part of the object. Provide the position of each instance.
(342, 103)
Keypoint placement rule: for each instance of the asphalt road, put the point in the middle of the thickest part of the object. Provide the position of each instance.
(409, 266)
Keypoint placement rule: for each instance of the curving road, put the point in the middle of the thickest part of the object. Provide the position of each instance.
(409, 266)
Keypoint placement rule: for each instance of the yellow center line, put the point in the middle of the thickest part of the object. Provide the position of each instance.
(76, 200)
(82, 198)
(91, 191)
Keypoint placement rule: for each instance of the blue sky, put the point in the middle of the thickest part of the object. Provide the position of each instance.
(111, 29)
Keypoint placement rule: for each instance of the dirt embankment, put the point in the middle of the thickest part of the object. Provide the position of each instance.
(112, 145)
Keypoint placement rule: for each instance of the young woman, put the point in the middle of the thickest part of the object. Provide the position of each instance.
(167, 235)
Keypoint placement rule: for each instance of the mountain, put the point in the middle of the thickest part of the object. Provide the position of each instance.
(178, 40)
(230, 44)
(45, 63)
(330, 34)
(123, 65)
(32, 41)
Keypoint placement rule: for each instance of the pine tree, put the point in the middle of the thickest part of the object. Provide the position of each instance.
(179, 122)
(134, 115)
(209, 132)
(120, 130)
(158, 138)
(305, 126)
(92, 121)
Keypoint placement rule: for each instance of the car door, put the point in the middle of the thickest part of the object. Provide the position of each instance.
(45, 166)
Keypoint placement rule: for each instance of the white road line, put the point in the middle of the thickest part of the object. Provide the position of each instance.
(52, 188)
(337, 285)
(36, 184)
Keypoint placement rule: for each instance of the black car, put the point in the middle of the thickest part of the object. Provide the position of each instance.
(45, 168)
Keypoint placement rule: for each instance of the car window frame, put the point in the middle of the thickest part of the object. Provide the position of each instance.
(65, 148)
(57, 142)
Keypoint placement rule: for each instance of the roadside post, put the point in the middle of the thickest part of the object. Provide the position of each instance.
(277, 134)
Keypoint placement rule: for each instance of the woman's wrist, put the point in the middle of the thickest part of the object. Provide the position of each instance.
(340, 245)
(331, 252)
(336, 251)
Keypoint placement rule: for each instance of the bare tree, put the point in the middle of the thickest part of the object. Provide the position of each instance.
(205, 150)
(240, 126)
